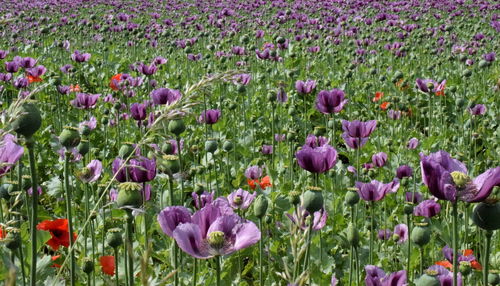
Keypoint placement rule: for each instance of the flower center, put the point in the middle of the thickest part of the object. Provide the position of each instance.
(238, 200)
(460, 179)
(129, 186)
(216, 239)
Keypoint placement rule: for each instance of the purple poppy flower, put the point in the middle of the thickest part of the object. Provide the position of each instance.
(148, 70)
(334, 281)
(478, 109)
(138, 111)
(193, 57)
(21, 82)
(413, 197)
(63, 89)
(401, 233)
(119, 170)
(241, 199)
(384, 234)
(211, 233)
(209, 116)
(448, 254)
(175, 148)
(404, 171)
(37, 71)
(375, 190)
(330, 101)
(6, 77)
(238, 51)
(10, 153)
(279, 137)
(412, 143)
(259, 34)
(313, 141)
(489, 57)
(359, 129)
(243, 79)
(423, 84)
(3, 54)
(253, 173)
(445, 276)
(267, 149)
(299, 218)
(316, 158)
(12, 67)
(85, 100)
(200, 201)
(30, 191)
(92, 172)
(427, 208)
(394, 114)
(351, 169)
(305, 87)
(171, 217)
(377, 277)
(66, 68)
(28, 62)
(80, 58)
(379, 159)
(281, 96)
(447, 179)
(165, 96)
(142, 169)
(90, 124)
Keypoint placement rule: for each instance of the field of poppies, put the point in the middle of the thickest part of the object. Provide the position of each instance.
(261, 142)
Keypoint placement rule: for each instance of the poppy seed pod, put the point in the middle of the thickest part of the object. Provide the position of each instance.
(427, 280)
(13, 240)
(351, 198)
(171, 163)
(129, 195)
(352, 235)
(228, 146)
(84, 147)
(486, 215)
(260, 206)
(465, 267)
(312, 200)
(5, 190)
(294, 197)
(494, 279)
(114, 238)
(168, 148)
(88, 265)
(211, 145)
(421, 234)
(176, 126)
(125, 150)
(28, 120)
(85, 130)
(69, 137)
(408, 209)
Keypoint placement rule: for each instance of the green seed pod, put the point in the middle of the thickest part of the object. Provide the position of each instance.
(312, 200)
(294, 197)
(260, 206)
(167, 148)
(408, 209)
(84, 147)
(13, 240)
(5, 191)
(421, 234)
(171, 163)
(69, 137)
(351, 198)
(88, 265)
(85, 130)
(319, 131)
(483, 64)
(352, 235)
(28, 120)
(126, 150)
(211, 145)
(129, 195)
(486, 215)
(427, 280)
(465, 267)
(228, 146)
(114, 237)
(493, 279)
(176, 126)
(466, 73)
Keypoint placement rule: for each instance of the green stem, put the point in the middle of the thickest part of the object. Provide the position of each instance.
(455, 242)
(179, 152)
(217, 268)
(130, 250)
(308, 249)
(421, 248)
(488, 235)
(21, 259)
(116, 267)
(70, 218)
(351, 262)
(30, 143)
(372, 229)
(261, 274)
(195, 271)
(176, 264)
(408, 249)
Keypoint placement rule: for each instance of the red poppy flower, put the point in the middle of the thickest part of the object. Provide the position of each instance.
(74, 88)
(264, 183)
(108, 264)
(445, 263)
(32, 79)
(58, 229)
(114, 81)
(55, 259)
(384, 105)
(378, 96)
(3, 233)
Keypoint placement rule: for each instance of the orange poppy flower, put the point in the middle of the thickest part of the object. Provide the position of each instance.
(54, 259)
(384, 105)
(445, 263)
(74, 88)
(32, 79)
(107, 265)
(400, 85)
(264, 183)
(3, 233)
(114, 81)
(475, 265)
(58, 229)
(378, 96)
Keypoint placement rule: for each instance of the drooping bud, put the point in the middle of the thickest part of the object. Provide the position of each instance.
(84, 147)
(176, 126)
(28, 120)
(352, 235)
(126, 150)
(211, 145)
(351, 198)
(260, 206)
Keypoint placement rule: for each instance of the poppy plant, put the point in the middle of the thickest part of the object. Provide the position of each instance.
(107, 264)
(378, 96)
(467, 255)
(264, 183)
(58, 230)
(115, 81)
